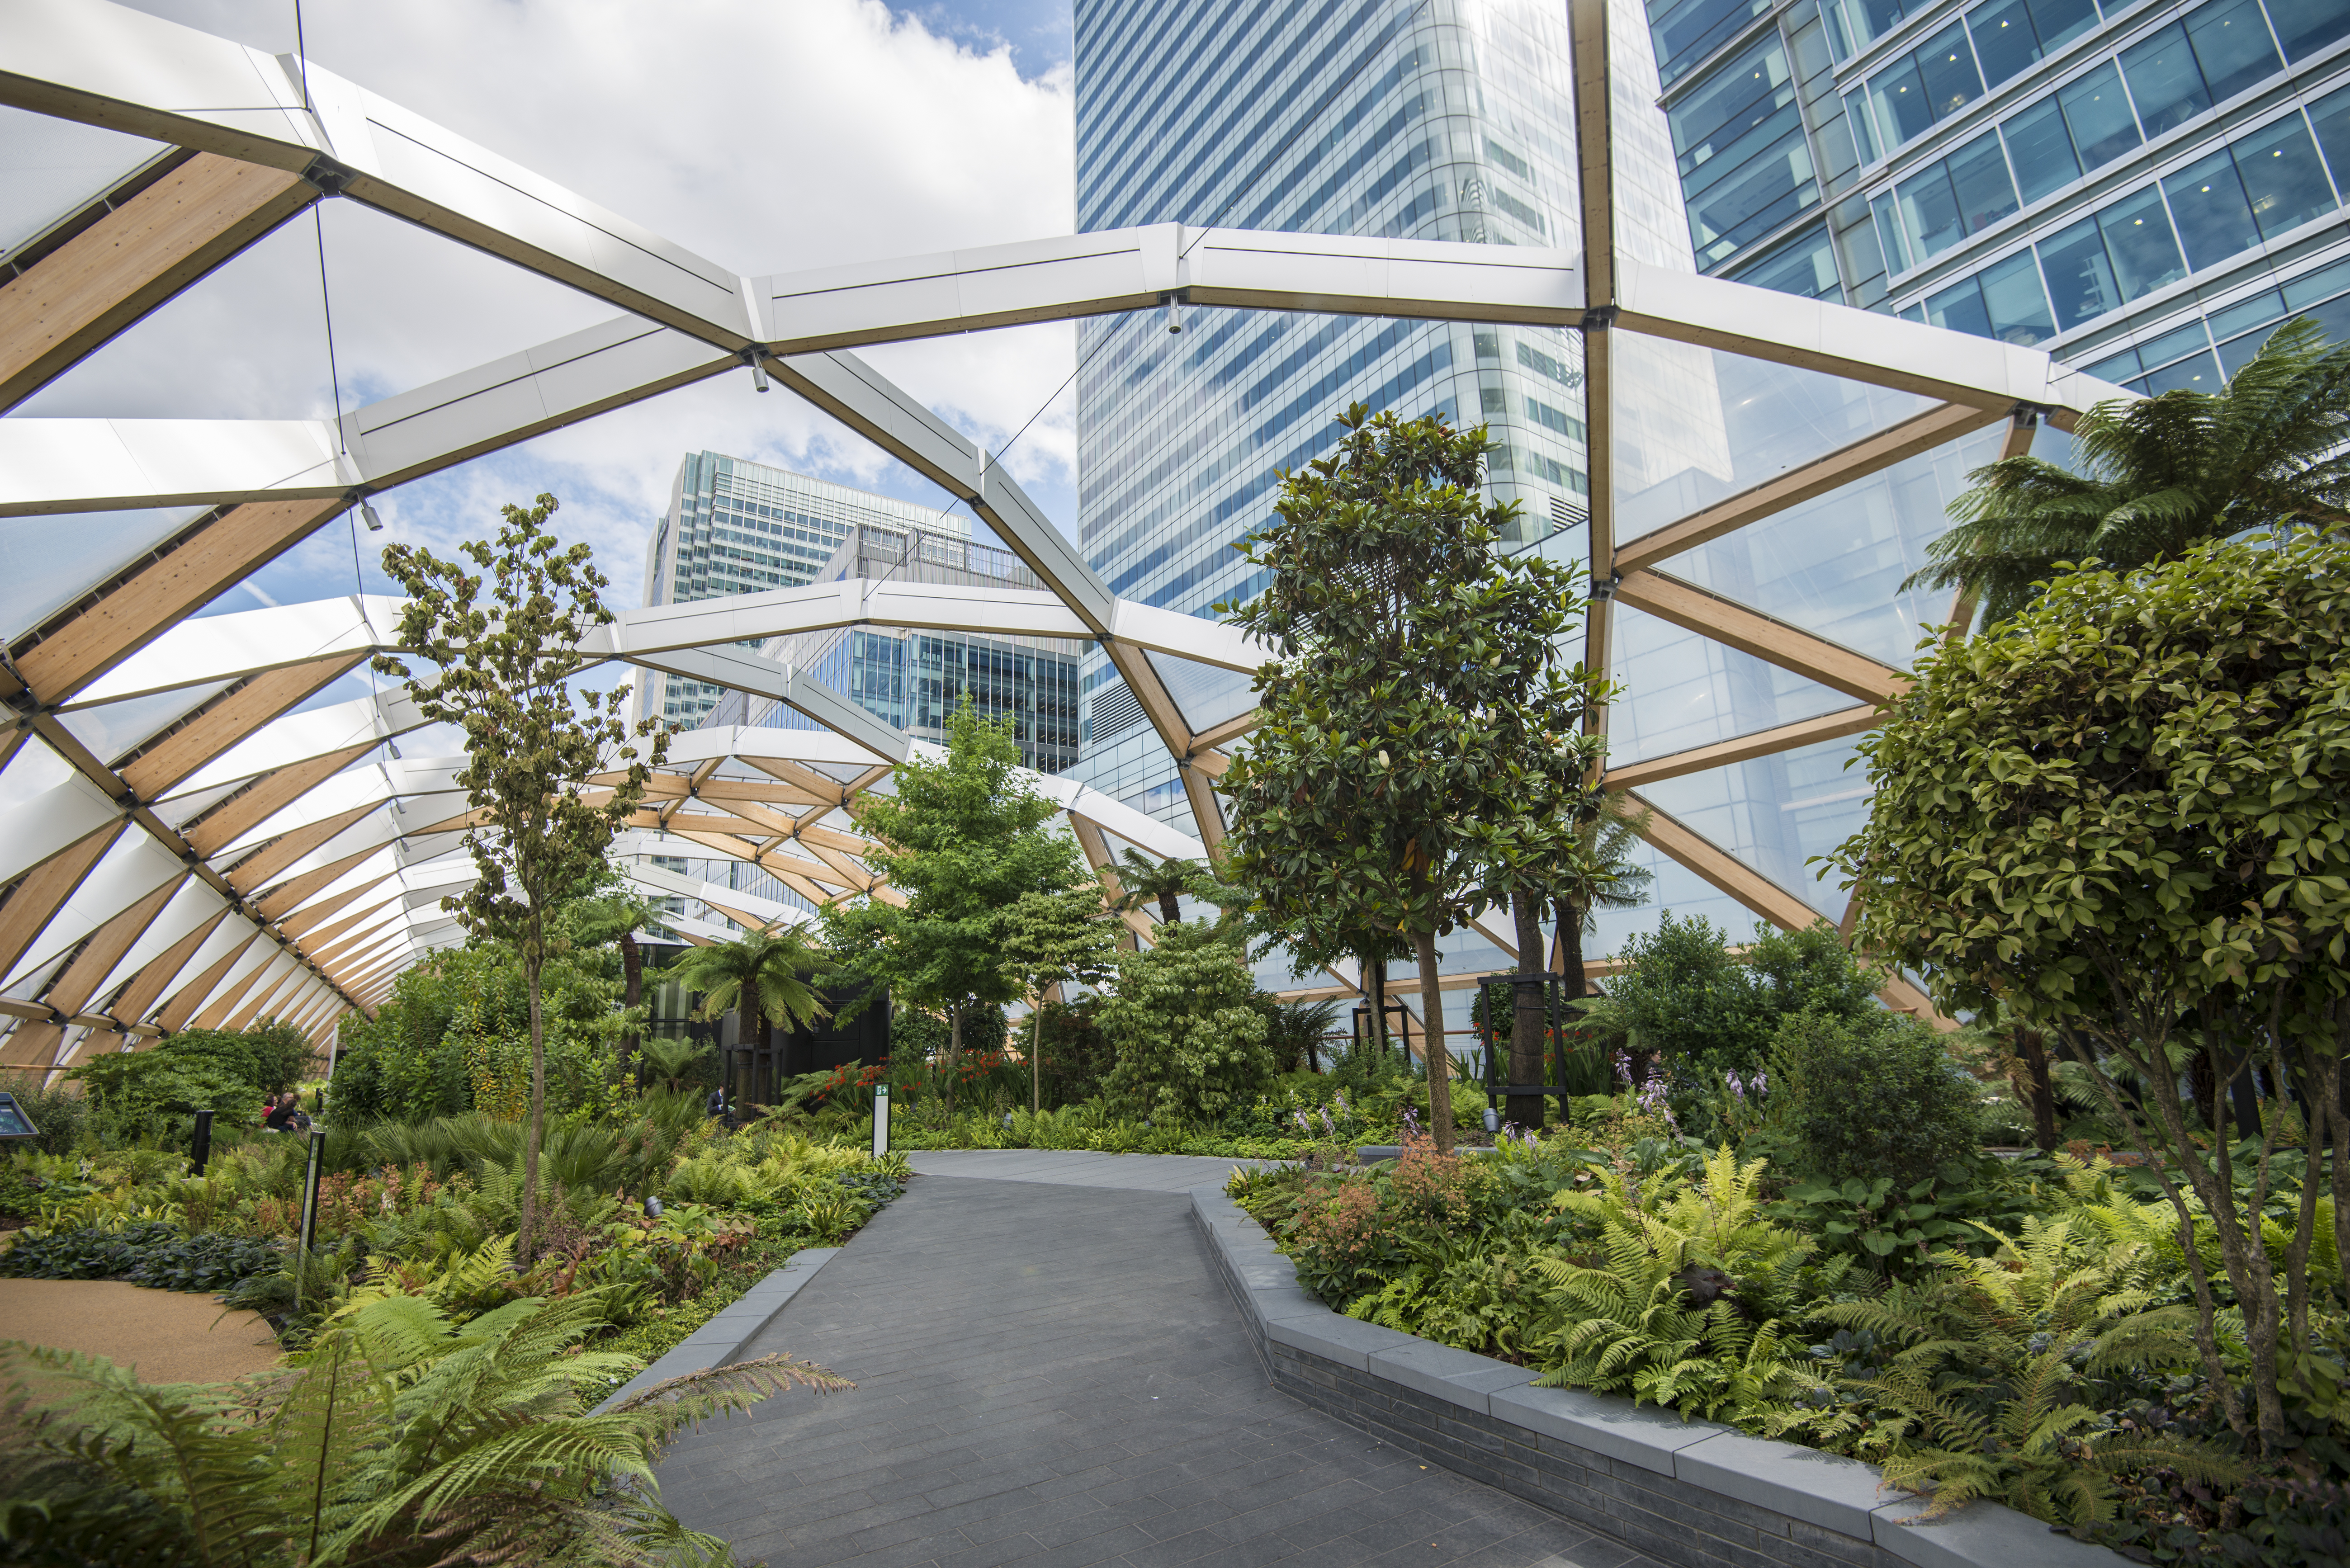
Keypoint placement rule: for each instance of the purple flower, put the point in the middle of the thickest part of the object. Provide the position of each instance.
(1762, 1085)
(1327, 1124)
(1736, 1087)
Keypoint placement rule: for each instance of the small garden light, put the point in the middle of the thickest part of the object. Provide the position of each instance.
(1493, 1120)
(652, 1207)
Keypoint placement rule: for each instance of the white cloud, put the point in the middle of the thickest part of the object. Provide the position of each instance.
(764, 137)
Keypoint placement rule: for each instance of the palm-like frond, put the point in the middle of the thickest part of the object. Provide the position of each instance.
(2155, 476)
(400, 1437)
(762, 970)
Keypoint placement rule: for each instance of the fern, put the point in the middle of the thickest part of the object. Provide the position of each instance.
(399, 1435)
(1984, 1397)
(1625, 1324)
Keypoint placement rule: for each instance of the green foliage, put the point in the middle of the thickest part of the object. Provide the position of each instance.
(1419, 749)
(961, 839)
(1189, 1042)
(2152, 478)
(1987, 1382)
(1708, 1011)
(229, 1073)
(1625, 1320)
(2124, 815)
(1150, 881)
(503, 673)
(759, 974)
(153, 1253)
(60, 1113)
(455, 1037)
(403, 1436)
(1872, 1096)
(1050, 938)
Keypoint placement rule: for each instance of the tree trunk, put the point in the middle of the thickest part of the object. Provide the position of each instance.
(1377, 969)
(1171, 908)
(1570, 948)
(528, 1238)
(954, 1053)
(2034, 1052)
(1036, 1062)
(632, 967)
(1530, 1020)
(1439, 1065)
(756, 1028)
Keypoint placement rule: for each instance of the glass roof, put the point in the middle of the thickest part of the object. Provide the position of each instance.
(1683, 690)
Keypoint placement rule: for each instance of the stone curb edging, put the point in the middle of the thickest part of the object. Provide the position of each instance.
(720, 1341)
(1689, 1492)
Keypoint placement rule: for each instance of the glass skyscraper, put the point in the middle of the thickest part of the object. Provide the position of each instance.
(1428, 121)
(2145, 190)
(739, 527)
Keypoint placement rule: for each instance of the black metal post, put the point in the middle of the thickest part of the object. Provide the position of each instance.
(309, 1213)
(200, 1151)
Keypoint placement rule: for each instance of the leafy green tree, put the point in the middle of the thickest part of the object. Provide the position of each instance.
(1149, 880)
(1191, 1040)
(2125, 814)
(962, 840)
(759, 974)
(1062, 937)
(1420, 727)
(1685, 996)
(504, 646)
(2157, 476)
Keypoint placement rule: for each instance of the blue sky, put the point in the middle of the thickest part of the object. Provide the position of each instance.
(1038, 32)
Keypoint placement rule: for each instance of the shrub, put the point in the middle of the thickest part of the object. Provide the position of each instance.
(1709, 1011)
(153, 1254)
(1190, 1042)
(134, 1093)
(1872, 1096)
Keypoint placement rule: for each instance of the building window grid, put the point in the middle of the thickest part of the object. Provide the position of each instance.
(2143, 201)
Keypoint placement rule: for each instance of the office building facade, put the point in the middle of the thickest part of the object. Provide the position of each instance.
(739, 527)
(2142, 190)
(1394, 119)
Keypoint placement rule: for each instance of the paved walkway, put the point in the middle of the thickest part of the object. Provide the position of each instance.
(1049, 1373)
(167, 1336)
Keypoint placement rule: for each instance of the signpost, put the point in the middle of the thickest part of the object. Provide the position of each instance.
(880, 1120)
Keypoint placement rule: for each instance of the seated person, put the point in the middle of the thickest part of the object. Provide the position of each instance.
(286, 1116)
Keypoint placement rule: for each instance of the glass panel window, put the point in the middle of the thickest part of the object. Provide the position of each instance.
(2005, 42)
(2331, 116)
(2201, 374)
(2122, 366)
(2312, 287)
(2016, 304)
(1898, 96)
(2144, 250)
(2165, 81)
(1929, 211)
(2059, 22)
(1960, 309)
(2265, 306)
(2041, 150)
(2215, 222)
(1978, 176)
(1732, 104)
(2171, 345)
(2308, 25)
(2283, 177)
(1863, 126)
(2234, 356)
(1889, 235)
(2080, 276)
(1806, 266)
(2232, 46)
(2099, 112)
(1947, 65)
(1687, 30)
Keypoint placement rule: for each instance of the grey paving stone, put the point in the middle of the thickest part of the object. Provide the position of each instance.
(1057, 1374)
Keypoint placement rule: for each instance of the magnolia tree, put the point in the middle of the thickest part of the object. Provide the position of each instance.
(2124, 815)
(1061, 938)
(503, 644)
(1419, 753)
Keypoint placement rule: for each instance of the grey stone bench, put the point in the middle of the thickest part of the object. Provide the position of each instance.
(1689, 1492)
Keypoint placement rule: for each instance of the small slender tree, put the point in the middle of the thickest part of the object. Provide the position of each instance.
(1600, 875)
(1415, 667)
(962, 840)
(760, 974)
(1061, 938)
(504, 643)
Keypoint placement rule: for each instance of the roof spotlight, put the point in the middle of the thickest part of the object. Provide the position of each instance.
(1174, 313)
(759, 377)
(367, 516)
